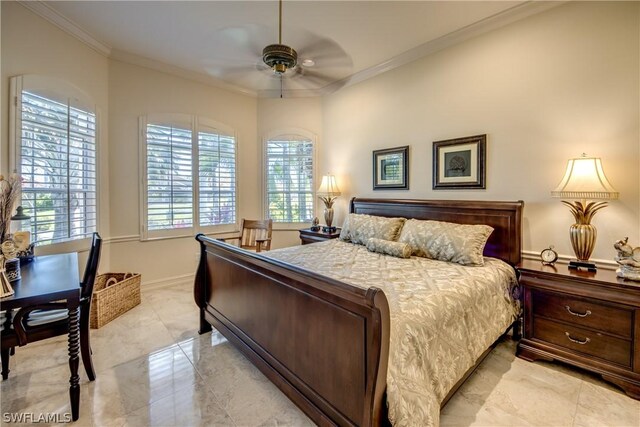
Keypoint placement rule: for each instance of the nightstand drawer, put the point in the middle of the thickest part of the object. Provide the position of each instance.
(583, 312)
(584, 341)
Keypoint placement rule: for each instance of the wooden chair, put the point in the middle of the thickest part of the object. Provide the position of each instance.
(254, 235)
(38, 322)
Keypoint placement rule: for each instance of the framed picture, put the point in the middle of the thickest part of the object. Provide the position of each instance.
(460, 163)
(391, 169)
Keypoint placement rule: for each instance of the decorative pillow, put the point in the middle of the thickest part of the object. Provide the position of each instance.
(358, 228)
(445, 241)
(387, 247)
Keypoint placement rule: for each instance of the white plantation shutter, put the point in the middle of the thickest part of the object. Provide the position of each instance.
(189, 176)
(217, 178)
(289, 178)
(56, 158)
(169, 178)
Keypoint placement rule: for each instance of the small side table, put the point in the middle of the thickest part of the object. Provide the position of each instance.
(308, 236)
(589, 320)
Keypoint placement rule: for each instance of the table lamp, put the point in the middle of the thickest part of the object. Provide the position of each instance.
(584, 179)
(21, 235)
(328, 192)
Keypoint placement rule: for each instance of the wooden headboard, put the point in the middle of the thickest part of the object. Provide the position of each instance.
(505, 217)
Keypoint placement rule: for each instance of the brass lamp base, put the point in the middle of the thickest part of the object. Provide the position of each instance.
(328, 216)
(582, 233)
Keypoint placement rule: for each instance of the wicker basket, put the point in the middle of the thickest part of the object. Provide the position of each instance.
(113, 295)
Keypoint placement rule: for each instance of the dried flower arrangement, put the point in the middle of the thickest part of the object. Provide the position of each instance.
(9, 192)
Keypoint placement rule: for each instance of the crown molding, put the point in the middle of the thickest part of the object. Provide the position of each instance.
(493, 22)
(485, 25)
(131, 58)
(45, 11)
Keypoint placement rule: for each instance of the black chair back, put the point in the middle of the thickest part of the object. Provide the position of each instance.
(91, 270)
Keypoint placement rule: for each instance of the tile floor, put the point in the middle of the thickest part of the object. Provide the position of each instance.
(154, 370)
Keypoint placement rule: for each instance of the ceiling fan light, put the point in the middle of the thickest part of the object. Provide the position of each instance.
(279, 57)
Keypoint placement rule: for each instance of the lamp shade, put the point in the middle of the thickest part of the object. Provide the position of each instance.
(328, 187)
(585, 179)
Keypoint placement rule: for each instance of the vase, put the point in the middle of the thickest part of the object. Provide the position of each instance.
(583, 240)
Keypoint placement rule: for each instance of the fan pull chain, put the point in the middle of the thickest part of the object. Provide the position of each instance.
(280, 86)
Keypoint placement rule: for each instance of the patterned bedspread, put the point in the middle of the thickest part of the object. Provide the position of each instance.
(443, 317)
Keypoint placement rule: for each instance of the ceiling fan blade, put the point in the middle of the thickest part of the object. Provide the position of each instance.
(232, 48)
(325, 53)
(218, 71)
(230, 67)
(314, 78)
(244, 39)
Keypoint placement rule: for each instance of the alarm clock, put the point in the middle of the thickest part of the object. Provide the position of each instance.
(549, 256)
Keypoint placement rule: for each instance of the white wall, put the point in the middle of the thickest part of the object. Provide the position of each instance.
(31, 45)
(136, 91)
(281, 114)
(544, 90)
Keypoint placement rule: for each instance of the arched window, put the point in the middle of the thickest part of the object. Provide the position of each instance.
(290, 176)
(53, 149)
(189, 176)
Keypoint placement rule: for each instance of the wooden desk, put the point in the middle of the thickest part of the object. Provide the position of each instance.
(47, 279)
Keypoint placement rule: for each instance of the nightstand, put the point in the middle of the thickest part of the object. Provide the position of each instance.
(308, 236)
(589, 320)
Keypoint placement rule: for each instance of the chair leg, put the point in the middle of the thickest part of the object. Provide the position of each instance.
(85, 344)
(5, 363)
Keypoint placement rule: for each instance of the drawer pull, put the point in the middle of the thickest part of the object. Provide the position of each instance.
(585, 314)
(586, 340)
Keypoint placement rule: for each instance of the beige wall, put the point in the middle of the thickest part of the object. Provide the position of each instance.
(275, 115)
(544, 90)
(136, 91)
(31, 45)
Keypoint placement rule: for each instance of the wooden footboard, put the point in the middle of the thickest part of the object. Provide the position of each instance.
(324, 343)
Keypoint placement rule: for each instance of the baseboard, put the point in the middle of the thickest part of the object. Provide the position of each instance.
(185, 279)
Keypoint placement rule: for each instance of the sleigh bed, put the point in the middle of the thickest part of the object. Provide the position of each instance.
(325, 342)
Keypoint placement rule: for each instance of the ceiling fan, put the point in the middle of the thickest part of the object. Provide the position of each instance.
(318, 63)
(280, 57)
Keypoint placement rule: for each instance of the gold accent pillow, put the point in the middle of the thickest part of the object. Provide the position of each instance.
(359, 228)
(387, 247)
(446, 241)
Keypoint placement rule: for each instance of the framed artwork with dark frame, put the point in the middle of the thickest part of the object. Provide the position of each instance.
(460, 163)
(391, 169)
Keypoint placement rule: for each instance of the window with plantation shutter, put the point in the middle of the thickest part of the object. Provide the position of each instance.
(189, 176)
(217, 178)
(55, 155)
(290, 190)
(169, 178)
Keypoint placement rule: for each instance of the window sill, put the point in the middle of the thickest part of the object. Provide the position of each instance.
(80, 245)
(290, 226)
(187, 236)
